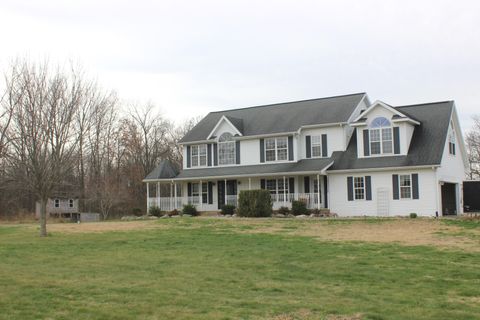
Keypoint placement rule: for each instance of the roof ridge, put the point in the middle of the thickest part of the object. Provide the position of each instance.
(288, 102)
(423, 104)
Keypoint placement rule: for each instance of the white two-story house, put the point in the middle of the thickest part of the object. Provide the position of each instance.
(343, 153)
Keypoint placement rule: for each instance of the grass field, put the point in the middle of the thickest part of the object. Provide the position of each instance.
(207, 268)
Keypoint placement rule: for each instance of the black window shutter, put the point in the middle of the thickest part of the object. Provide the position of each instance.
(325, 190)
(396, 140)
(324, 146)
(290, 148)
(237, 152)
(210, 192)
(350, 188)
(262, 150)
(189, 162)
(189, 189)
(215, 154)
(306, 184)
(396, 195)
(262, 184)
(366, 143)
(291, 185)
(308, 146)
(368, 187)
(415, 186)
(209, 154)
(453, 148)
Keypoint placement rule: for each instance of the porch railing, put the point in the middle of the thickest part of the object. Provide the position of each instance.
(312, 201)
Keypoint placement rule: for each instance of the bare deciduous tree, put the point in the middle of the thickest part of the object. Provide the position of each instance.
(473, 145)
(42, 131)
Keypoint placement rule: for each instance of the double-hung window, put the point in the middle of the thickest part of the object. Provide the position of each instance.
(70, 203)
(56, 203)
(359, 188)
(226, 149)
(276, 149)
(405, 181)
(200, 190)
(381, 137)
(278, 189)
(316, 142)
(199, 155)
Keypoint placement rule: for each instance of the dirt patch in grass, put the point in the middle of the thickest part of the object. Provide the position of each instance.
(403, 231)
(94, 227)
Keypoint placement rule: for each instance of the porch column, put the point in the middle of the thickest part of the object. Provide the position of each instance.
(226, 191)
(148, 197)
(318, 189)
(249, 183)
(175, 192)
(158, 194)
(200, 192)
(170, 195)
(284, 192)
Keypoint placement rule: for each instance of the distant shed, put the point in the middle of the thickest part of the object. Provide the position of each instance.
(471, 196)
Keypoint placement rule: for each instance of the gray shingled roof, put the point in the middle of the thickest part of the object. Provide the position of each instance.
(306, 165)
(426, 148)
(165, 170)
(281, 117)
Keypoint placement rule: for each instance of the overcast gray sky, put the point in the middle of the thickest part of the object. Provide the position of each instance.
(192, 57)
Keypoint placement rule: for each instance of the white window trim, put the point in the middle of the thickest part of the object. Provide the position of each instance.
(234, 153)
(198, 155)
(381, 142)
(276, 149)
(400, 187)
(319, 144)
(71, 203)
(277, 191)
(364, 188)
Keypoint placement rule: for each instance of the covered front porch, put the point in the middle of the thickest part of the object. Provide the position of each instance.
(212, 193)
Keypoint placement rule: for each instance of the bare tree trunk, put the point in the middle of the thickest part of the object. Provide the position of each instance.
(43, 217)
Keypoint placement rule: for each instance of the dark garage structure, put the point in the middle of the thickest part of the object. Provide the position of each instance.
(471, 196)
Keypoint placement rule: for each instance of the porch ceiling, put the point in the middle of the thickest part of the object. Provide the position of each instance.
(303, 166)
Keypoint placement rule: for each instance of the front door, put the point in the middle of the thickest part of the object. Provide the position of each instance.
(231, 190)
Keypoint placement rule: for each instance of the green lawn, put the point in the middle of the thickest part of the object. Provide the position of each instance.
(198, 269)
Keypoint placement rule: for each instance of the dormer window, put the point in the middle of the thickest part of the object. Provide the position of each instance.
(226, 149)
(381, 137)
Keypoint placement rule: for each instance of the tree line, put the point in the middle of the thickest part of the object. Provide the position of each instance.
(60, 132)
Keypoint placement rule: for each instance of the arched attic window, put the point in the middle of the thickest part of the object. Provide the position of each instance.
(226, 149)
(381, 137)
